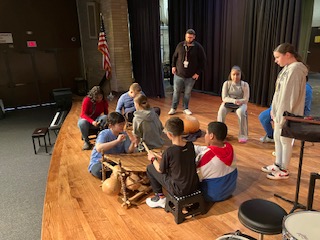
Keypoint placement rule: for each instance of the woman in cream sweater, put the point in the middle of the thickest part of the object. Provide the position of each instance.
(289, 96)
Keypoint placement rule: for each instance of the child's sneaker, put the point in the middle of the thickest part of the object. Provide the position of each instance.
(266, 139)
(87, 146)
(156, 201)
(242, 140)
(281, 174)
(270, 168)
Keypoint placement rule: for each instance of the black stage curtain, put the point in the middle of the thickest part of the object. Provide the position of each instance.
(235, 32)
(144, 21)
(268, 23)
(219, 27)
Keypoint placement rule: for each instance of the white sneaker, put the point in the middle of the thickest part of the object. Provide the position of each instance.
(187, 111)
(270, 168)
(279, 175)
(274, 154)
(156, 202)
(266, 139)
(172, 111)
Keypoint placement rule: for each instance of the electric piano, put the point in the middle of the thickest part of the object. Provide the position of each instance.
(57, 121)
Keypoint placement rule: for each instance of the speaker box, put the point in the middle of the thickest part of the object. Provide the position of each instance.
(63, 98)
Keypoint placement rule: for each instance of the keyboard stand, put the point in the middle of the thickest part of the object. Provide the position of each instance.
(306, 130)
(295, 203)
(58, 121)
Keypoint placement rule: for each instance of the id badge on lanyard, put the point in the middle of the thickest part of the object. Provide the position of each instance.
(185, 62)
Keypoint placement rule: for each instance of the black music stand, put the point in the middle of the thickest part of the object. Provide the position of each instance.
(298, 127)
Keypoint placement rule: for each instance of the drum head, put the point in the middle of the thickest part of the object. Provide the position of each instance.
(235, 236)
(302, 225)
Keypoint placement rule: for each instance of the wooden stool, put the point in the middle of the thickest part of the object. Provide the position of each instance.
(262, 216)
(41, 133)
(175, 205)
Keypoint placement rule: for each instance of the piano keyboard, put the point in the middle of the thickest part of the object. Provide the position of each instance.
(58, 120)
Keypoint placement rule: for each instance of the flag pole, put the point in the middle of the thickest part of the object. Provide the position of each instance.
(105, 51)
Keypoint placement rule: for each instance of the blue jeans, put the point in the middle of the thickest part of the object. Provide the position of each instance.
(84, 126)
(265, 120)
(179, 84)
(96, 170)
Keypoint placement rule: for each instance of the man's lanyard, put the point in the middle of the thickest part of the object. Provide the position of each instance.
(187, 50)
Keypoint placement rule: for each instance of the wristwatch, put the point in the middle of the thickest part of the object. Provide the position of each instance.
(153, 159)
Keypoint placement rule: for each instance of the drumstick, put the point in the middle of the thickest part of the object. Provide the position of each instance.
(145, 147)
(150, 151)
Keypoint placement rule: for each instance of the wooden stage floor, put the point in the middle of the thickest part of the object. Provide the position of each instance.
(76, 208)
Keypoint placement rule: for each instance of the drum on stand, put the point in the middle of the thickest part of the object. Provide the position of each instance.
(237, 235)
(304, 225)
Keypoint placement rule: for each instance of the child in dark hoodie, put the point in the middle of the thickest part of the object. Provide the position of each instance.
(146, 123)
(216, 164)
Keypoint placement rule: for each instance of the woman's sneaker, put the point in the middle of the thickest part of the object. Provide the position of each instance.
(266, 139)
(278, 175)
(270, 168)
(242, 140)
(156, 201)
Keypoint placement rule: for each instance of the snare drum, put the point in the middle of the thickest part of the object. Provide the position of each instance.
(235, 236)
(304, 225)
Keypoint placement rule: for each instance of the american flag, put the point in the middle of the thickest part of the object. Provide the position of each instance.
(104, 49)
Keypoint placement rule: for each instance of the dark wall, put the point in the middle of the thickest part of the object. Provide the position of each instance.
(53, 23)
(314, 51)
(28, 75)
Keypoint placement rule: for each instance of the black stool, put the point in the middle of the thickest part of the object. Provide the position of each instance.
(312, 183)
(41, 133)
(262, 216)
(193, 202)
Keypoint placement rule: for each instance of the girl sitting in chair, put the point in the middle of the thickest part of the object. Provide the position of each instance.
(235, 96)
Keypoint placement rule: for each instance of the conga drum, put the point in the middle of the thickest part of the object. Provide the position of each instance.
(304, 225)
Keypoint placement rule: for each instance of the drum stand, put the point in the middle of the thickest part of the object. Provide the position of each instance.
(296, 204)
